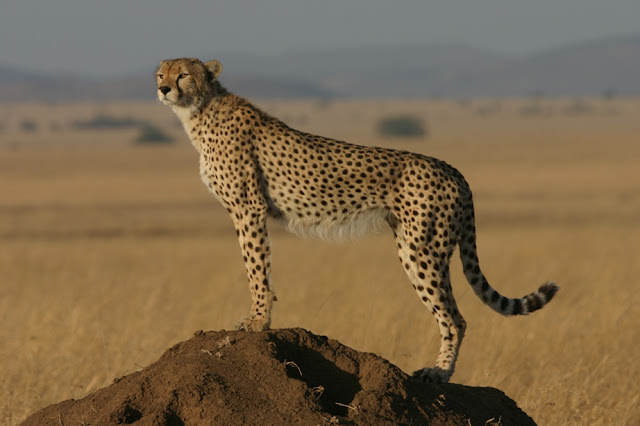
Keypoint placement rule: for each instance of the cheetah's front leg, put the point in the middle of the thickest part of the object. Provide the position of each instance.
(256, 251)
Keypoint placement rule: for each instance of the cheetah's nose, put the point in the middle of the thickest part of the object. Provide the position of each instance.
(164, 89)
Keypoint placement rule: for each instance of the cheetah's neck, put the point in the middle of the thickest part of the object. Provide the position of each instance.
(192, 117)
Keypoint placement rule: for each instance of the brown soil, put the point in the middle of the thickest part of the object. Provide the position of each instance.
(288, 376)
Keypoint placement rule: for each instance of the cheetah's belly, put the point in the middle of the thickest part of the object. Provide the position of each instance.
(338, 227)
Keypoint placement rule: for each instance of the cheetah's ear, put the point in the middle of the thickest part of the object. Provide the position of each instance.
(215, 67)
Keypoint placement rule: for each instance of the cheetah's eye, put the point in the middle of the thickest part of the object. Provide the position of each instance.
(183, 75)
(160, 76)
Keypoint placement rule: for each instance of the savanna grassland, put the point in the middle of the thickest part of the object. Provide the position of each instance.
(111, 251)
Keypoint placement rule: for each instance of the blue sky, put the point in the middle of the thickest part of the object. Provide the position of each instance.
(118, 37)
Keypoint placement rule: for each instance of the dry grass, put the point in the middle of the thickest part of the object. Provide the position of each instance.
(110, 253)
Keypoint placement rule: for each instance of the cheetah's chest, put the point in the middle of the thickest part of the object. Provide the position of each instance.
(212, 176)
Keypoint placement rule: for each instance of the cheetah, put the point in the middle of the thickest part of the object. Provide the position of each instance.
(259, 167)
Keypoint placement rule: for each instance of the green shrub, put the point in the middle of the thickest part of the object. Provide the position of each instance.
(28, 126)
(105, 122)
(150, 134)
(401, 126)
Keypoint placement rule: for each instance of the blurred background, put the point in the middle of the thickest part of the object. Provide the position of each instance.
(111, 249)
(89, 50)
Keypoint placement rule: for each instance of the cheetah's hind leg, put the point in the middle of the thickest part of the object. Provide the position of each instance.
(427, 266)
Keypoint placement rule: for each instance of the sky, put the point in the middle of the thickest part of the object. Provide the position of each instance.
(111, 38)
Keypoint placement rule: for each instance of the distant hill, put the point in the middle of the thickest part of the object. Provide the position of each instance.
(596, 67)
(590, 68)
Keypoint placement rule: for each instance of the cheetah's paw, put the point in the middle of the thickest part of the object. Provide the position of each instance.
(253, 324)
(432, 375)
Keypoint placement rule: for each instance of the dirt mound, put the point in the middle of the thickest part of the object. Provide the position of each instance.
(288, 376)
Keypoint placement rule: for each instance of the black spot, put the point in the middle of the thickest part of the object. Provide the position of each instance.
(517, 307)
(534, 303)
(504, 303)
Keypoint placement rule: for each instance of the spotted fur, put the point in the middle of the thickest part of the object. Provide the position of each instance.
(258, 167)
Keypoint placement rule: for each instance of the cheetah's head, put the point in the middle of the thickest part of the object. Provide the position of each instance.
(186, 82)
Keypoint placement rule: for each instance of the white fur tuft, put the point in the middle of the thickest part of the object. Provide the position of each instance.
(345, 227)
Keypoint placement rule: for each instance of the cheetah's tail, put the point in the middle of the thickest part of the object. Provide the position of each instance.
(499, 303)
